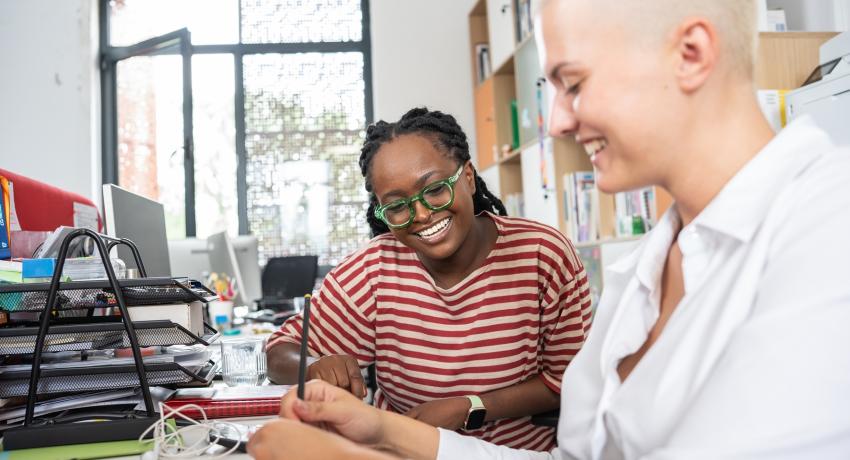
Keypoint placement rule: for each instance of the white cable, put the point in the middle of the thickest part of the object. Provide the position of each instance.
(168, 440)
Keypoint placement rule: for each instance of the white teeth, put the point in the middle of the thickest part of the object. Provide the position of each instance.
(434, 228)
(593, 147)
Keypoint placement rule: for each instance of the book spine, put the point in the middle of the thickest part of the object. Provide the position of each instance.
(5, 248)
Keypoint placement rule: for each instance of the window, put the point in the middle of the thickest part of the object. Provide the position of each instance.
(256, 130)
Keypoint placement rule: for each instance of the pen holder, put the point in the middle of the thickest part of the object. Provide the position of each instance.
(221, 314)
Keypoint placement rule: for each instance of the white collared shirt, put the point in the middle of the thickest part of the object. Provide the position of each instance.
(755, 360)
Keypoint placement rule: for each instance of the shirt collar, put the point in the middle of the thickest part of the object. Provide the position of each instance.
(744, 201)
(647, 260)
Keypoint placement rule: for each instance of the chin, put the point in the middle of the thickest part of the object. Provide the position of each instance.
(440, 251)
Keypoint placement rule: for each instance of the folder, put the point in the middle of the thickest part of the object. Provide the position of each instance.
(80, 451)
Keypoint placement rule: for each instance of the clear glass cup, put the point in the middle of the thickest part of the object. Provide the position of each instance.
(243, 361)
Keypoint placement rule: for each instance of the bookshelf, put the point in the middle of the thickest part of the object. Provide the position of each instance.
(509, 155)
(511, 163)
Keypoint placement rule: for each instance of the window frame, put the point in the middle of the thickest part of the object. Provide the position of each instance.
(111, 55)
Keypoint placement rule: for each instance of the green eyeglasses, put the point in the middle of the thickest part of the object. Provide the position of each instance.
(436, 197)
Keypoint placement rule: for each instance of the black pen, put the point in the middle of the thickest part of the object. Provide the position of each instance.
(305, 330)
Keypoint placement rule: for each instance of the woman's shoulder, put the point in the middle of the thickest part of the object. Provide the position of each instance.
(379, 250)
(521, 229)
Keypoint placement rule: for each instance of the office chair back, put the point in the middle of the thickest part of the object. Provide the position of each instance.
(288, 277)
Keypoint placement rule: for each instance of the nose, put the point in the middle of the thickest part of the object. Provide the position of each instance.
(562, 117)
(420, 212)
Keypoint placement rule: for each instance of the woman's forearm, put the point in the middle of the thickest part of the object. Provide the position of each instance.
(527, 398)
(408, 438)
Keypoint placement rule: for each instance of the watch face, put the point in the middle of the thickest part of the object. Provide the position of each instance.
(475, 419)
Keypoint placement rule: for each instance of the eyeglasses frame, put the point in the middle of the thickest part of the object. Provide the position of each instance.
(449, 181)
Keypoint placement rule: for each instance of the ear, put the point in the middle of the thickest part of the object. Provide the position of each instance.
(696, 48)
(469, 175)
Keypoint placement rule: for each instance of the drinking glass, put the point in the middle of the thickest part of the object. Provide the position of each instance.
(243, 361)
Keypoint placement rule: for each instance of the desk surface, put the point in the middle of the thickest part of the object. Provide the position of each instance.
(249, 421)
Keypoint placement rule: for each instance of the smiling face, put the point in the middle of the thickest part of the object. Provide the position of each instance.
(613, 94)
(400, 169)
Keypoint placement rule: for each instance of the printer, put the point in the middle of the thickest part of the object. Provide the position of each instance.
(826, 93)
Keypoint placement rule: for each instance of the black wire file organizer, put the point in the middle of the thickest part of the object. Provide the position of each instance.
(67, 323)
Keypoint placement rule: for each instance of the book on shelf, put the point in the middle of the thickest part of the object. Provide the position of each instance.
(483, 68)
(524, 19)
(514, 125)
(635, 211)
(581, 206)
(514, 204)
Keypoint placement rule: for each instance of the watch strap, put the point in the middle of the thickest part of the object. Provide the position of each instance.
(475, 402)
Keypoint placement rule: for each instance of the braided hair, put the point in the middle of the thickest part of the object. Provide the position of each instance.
(447, 136)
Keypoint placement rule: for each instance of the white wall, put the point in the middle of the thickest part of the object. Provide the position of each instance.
(49, 86)
(49, 92)
(814, 15)
(420, 56)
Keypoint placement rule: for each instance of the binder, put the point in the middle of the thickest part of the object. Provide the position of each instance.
(230, 401)
(227, 408)
(5, 248)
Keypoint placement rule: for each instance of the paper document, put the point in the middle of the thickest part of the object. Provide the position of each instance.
(85, 216)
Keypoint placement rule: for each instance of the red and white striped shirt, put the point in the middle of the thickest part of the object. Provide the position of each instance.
(524, 313)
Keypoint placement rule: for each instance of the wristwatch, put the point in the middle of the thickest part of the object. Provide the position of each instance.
(476, 414)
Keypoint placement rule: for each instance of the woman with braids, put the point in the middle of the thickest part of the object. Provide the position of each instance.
(469, 316)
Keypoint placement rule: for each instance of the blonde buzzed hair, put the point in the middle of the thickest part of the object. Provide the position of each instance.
(735, 21)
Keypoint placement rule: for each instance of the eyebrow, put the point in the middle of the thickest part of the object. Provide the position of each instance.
(553, 74)
(421, 182)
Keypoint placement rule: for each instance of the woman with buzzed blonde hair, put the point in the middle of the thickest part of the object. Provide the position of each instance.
(724, 334)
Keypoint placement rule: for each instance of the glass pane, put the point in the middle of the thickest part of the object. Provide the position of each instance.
(215, 144)
(300, 21)
(209, 21)
(150, 134)
(304, 117)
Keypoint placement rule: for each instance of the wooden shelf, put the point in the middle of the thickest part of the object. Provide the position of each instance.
(621, 239)
(506, 68)
(785, 59)
(513, 155)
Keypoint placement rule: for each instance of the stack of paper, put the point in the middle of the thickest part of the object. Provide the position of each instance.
(10, 271)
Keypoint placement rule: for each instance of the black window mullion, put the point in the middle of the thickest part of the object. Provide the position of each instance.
(188, 137)
(366, 44)
(241, 153)
(109, 136)
(108, 102)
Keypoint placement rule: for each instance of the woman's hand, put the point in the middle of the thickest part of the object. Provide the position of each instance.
(442, 413)
(341, 371)
(338, 411)
(335, 410)
(289, 439)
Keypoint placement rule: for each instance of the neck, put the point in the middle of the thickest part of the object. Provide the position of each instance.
(469, 256)
(726, 134)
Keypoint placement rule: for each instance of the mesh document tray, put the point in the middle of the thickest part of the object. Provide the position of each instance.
(52, 381)
(99, 336)
(76, 295)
